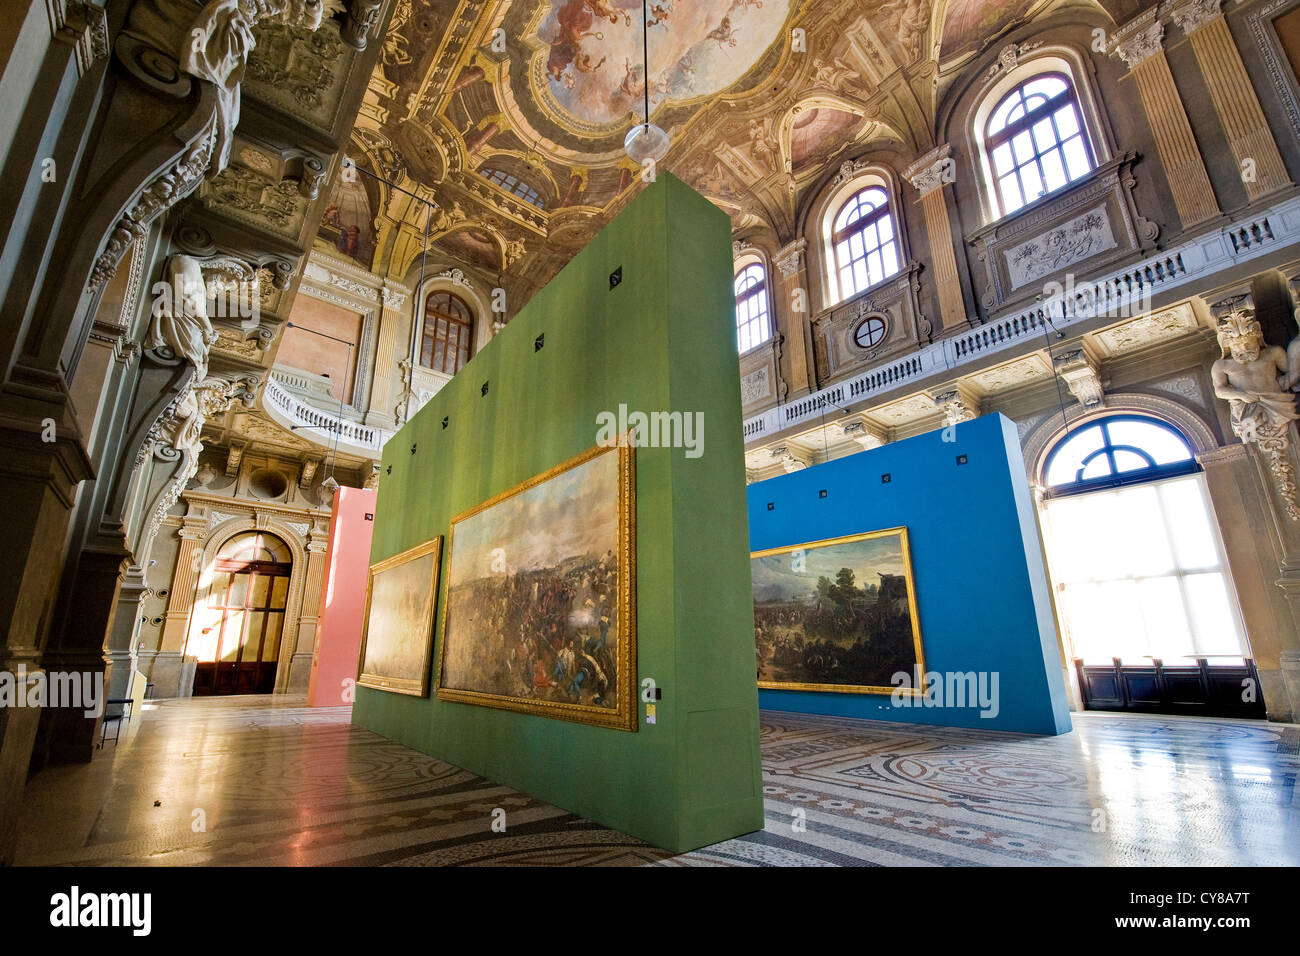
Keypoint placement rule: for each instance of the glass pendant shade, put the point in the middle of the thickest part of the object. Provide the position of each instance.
(646, 141)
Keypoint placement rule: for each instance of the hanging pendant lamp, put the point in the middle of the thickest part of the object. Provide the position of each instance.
(646, 140)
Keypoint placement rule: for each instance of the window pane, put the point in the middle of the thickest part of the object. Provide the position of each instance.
(1167, 632)
(1098, 466)
(1031, 182)
(1129, 461)
(1213, 622)
(261, 590)
(885, 227)
(1044, 135)
(1161, 443)
(1076, 157)
(1009, 189)
(1002, 159)
(1045, 86)
(231, 634)
(874, 272)
(889, 254)
(1067, 121)
(1187, 517)
(271, 644)
(1023, 147)
(1053, 171)
(860, 278)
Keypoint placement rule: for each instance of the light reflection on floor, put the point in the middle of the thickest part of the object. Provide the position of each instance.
(266, 780)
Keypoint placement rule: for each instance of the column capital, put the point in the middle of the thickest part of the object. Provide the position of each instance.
(790, 259)
(1139, 39)
(932, 170)
(1194, 14)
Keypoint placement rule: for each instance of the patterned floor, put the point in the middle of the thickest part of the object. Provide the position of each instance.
(268, 781)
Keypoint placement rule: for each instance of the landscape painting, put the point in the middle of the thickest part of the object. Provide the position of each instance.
(837, 615)
(539, 615)
(398, 631)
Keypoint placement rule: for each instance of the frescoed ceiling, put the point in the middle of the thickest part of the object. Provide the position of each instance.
(510, 115)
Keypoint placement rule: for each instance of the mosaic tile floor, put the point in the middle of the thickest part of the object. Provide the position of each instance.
(268, 781)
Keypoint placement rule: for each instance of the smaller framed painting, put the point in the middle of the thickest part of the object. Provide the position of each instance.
(397, 636)
(837, 615)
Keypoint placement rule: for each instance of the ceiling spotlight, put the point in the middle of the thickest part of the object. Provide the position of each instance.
(646, 141)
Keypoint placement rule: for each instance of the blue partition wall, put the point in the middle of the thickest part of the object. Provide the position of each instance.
(981, 586)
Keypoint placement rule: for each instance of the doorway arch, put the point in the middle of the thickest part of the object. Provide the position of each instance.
(242, 627)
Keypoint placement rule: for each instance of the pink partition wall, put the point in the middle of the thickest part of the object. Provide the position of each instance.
(342, 599)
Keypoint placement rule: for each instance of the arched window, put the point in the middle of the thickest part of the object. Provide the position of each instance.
(512, 184)
(863, 241)
(1134, 548)
(1035, 140)
(1119, 450)
(753, 326)
(448, 326)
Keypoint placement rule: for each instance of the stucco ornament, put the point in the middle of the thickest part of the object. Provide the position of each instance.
(179, 327)
(217, 50)
(1254, 379)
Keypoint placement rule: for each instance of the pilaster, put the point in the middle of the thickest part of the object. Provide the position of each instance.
(1140, 44)
(930, 175)
(1262, 170)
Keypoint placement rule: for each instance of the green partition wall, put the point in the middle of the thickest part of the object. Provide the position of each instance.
(662, 339)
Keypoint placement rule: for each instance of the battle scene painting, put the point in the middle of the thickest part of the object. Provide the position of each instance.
(591, 63)
(837, 615)
(540, 583)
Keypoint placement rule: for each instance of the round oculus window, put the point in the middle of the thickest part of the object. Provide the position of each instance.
(870, 332)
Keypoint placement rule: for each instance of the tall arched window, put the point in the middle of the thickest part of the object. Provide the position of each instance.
(1035, 140)
(448, 327)
(753, 325)
(1134, 548)
(863, 241)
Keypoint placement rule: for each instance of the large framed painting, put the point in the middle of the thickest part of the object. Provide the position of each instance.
(398, 631)
(541, 596)
(837, 615)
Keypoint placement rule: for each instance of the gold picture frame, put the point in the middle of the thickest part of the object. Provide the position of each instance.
(535, 654)
(407, 631)
(904, 557)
